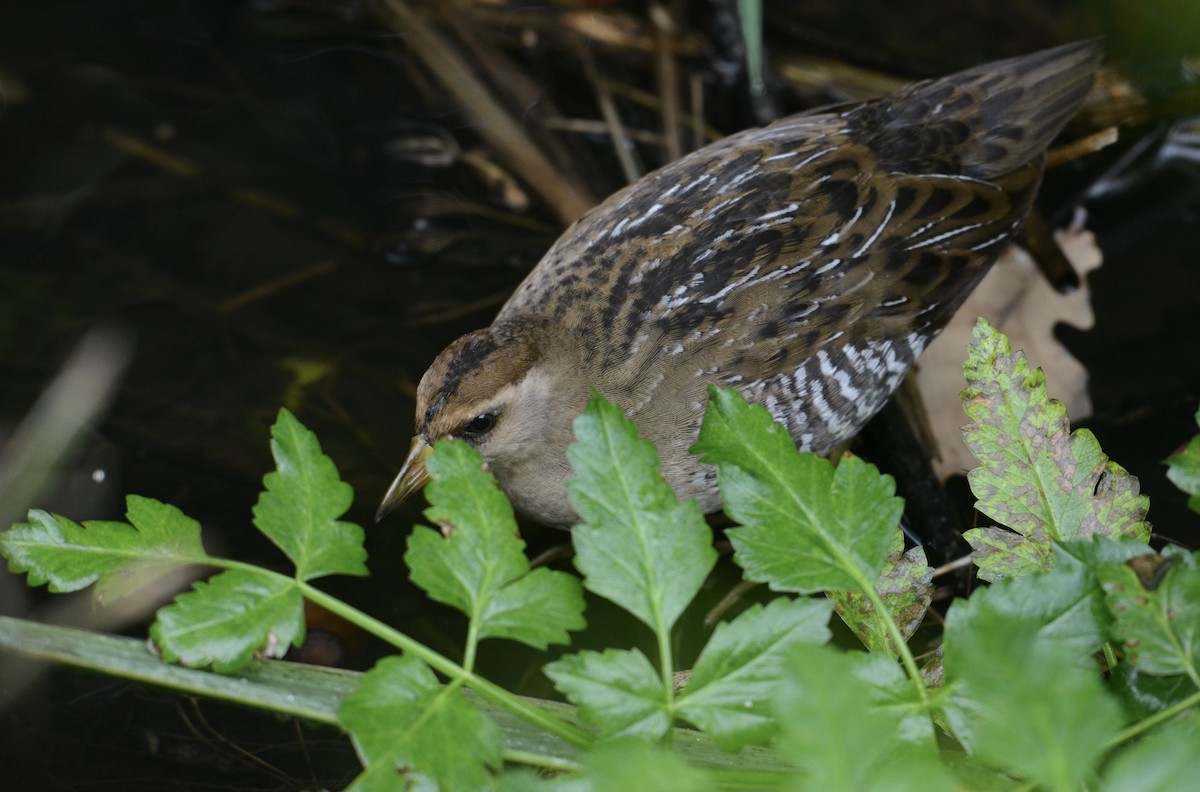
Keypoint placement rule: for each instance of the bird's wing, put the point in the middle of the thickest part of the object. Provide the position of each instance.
(746, 260)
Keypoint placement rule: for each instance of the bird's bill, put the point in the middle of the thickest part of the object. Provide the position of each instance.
(412, 477)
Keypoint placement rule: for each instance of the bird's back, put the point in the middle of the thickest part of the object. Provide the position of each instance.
(806, 263)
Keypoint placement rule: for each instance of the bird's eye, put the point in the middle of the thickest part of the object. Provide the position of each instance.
(480, 424)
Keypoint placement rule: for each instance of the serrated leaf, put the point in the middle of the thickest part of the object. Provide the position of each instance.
(120, 558)
(840, 739)
(617, 691)
(406, 725)
(731, 690)
(1037, 707)
(1035, 476)
(479, 564)
(1159, 628)
(301, 504)
(1001, 554)
(1183, 469)
(1165, 761)
(1065, 605)
(890, 689)
(225, 620)
(905, 585)
(806, 526)
(1144, 695)
(973, 776)
(637, 546)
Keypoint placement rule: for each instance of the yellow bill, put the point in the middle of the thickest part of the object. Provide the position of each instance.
(412, 477)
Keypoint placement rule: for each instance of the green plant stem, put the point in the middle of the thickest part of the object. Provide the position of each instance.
(1110, 656)
(666, 664)
(468, 663)
(539, 760)
(1181, 651)
(490, 691)
(745, 780)
(867, 587)
(906, 657)
(1148, 723)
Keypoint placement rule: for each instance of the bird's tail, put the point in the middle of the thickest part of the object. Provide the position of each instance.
(998, 116)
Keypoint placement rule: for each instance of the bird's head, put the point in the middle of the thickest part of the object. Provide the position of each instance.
(502, 390)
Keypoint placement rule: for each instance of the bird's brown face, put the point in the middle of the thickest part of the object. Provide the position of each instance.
(487, 389)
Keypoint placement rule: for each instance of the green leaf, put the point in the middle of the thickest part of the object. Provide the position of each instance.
(477, 563)
(631, 765)
(1001, 554)
(637, 546)
(905, 586)
(1144, 695)
(1035, 476)
(1038, 709)
(405, 725)
(225, 620)
(120, 558)
(1158, 627)
(309, 692)
(1183, 469)
(806, 526)
(890, 690)
(300, 507)
(972, 775)
(732, 687)
(617, 691)
(1065, 605)
(837, 735)
(1166, 761)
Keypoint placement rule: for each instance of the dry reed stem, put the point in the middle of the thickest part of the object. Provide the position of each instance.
(493, 122)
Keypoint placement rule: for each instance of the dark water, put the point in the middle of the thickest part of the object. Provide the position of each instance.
(270, 200)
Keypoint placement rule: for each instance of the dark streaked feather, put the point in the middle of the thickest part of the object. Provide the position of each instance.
(806, 263)
(870, 225)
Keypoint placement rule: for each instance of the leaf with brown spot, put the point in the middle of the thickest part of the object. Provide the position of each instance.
(1159, 628)
(906, 586)
(1035, 476)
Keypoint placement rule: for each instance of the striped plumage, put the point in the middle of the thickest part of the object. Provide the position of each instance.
(806, 264)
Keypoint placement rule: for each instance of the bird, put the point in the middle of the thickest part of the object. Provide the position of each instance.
(805, 264)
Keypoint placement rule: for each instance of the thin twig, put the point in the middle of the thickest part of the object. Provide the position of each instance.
(247, 196)
(697, 122)
(650, 100)
(493, 122)
(210, 734)
(588, 126)
(953, 566)
(616, 130)
(435, 312)
(1081, 148)
(269, 288)
(730, 599)
(668, 80)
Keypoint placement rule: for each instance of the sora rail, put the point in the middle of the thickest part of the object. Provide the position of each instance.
(806, 264)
